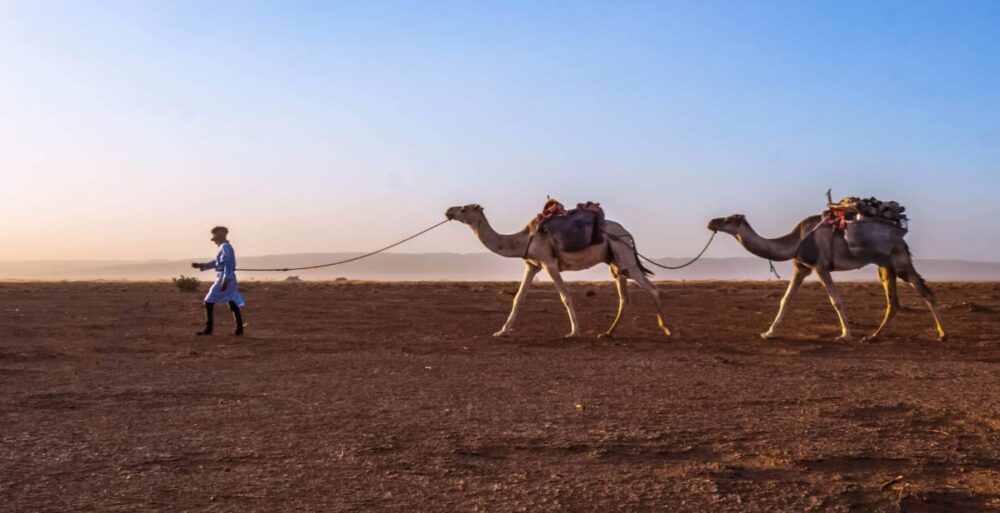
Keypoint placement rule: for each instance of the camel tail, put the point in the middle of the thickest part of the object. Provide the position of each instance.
(638, 259)
(911, 276)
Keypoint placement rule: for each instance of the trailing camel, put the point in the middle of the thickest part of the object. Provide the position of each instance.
(816, 246)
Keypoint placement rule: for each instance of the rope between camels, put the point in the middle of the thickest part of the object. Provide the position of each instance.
(347, 260)
(672, 268)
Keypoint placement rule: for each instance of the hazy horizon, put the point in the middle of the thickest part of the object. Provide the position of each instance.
(450, 267)
(129, 129)
(348, 254)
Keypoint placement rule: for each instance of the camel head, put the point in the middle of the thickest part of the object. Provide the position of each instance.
(469, 214)
(730, 225)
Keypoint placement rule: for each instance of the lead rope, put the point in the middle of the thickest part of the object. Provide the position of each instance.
(347, 260)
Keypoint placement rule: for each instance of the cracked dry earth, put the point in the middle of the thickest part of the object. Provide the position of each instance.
(394, 396)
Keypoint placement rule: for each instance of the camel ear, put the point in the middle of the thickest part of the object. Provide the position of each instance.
(479, 208)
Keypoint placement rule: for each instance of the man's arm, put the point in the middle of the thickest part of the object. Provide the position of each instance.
(203, 267)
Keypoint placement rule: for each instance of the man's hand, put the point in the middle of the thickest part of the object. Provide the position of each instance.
(196, 265)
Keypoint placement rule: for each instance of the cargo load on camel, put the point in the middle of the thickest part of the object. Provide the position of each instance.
(870, 226)
(572, 230)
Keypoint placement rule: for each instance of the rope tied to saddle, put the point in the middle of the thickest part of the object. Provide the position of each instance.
(347, 260)
(824, 221)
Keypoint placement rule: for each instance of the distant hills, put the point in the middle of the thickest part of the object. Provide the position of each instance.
(448, 266)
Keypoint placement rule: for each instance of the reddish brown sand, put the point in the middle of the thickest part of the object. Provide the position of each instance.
(395, 397)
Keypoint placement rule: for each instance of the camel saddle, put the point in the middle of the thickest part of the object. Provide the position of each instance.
(572, 230)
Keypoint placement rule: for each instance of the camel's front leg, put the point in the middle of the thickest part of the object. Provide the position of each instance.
(530, 271)
(838, 306)
(801, 272)
(621, 283)
(888, 278)
(568, 301)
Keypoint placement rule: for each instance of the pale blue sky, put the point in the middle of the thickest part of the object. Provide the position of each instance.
(129, 128)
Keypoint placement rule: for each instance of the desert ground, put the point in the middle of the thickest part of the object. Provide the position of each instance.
(354, 396)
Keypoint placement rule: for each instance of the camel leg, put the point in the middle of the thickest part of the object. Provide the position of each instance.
(628, 265)
(801, 272)
(888, 277)
(838, 306)
(621, 283)
(567, 301)
(644, 282)
(910, 275)
(529, 274)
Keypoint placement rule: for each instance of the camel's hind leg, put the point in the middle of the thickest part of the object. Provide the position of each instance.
(644, 282)
(888, 277)
(627, 261)
(530, 270)
(910, 275)
(566, 299)
(801, 272)
(621, 282)
(838, 305)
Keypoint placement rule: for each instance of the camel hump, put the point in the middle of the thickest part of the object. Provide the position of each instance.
(573, 230)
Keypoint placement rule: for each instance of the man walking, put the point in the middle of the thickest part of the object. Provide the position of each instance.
(224, 289)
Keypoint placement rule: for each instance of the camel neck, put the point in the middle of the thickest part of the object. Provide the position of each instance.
(512, 245)
(779, 249)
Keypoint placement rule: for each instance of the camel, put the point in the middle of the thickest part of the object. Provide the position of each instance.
(539, 252)
(814, 246)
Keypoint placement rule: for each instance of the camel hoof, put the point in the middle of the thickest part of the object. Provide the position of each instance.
(606, 335)
(868, 339)
(767, 335)
(501, 334)
(942, 337)
(571, 335)
(844, 338)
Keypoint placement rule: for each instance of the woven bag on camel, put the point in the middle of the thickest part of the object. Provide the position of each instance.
(572, 230)
(869, 225)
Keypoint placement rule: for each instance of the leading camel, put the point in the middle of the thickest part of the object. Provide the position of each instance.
(815, 246)
(539, 252)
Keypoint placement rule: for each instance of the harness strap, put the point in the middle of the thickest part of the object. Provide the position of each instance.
(528, 246)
